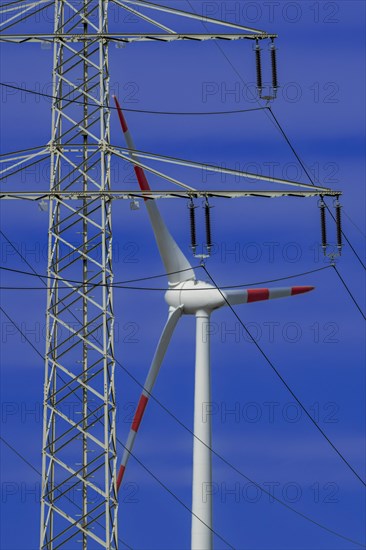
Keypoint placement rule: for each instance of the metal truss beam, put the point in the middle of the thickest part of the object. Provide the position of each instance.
(154, 195)
(123, 153)
(130, 37)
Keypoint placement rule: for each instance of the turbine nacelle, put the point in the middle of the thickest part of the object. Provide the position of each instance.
(194, 296)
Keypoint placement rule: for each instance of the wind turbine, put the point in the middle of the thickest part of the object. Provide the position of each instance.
(188, 296)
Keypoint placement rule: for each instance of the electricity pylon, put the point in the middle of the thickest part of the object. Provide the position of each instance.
(79, 341)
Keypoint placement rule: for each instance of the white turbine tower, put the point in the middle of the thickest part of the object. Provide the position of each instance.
(186, 295)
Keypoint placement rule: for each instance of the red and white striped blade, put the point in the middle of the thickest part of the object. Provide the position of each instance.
(174, 316)
(239, 296)
(176, 264)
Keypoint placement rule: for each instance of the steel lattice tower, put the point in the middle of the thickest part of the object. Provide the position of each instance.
(79, 346)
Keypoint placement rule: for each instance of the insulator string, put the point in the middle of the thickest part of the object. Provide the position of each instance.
(274, 67)
(208, 226)
(338, 209)
(258, 63)
(323, 226)
(192, 218)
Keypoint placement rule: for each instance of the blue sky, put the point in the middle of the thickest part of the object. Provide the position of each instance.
(315, 340)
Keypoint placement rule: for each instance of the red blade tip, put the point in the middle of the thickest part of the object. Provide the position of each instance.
(301, 289)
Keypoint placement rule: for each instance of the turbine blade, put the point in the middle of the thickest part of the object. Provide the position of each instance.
(174, 316)
(238, 296)
(176, 264)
